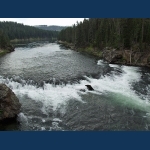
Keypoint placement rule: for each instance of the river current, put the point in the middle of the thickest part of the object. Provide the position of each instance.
(50, 80)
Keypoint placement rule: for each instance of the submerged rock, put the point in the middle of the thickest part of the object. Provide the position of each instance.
(9, 104)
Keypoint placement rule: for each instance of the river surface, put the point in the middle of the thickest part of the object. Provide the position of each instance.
(50, 80)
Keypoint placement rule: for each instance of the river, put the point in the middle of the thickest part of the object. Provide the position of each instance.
(50, 80)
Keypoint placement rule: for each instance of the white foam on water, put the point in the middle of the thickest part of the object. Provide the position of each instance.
(51, 96)
(22, 118)
(114, 65)
(43, 128)
(120, 86)
(55, 126)
(100, 62)
(55, 96)
(43, 120)
(57, 120)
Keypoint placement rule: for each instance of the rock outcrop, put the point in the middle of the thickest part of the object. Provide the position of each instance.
(9, 104)
(127, 57)
(113, 56)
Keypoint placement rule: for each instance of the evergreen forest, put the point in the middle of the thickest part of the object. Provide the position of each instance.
(125, 33)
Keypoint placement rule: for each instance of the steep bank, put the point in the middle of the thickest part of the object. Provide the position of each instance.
(113, 56)
(10, 48)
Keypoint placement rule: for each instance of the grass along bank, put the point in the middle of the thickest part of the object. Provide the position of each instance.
(88, 50)
(91, 51)
(3, 52)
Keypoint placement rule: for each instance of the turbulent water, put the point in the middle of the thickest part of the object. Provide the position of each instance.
(50, 80)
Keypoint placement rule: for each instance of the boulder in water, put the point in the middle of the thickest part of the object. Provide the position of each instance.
(9, 104)
(90, 88)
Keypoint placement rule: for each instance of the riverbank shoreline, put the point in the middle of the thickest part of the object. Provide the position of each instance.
(88, 50)
(10, 48)
(31, 40)
(113, 56)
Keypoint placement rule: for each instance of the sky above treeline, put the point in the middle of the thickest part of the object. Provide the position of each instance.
(45, 21)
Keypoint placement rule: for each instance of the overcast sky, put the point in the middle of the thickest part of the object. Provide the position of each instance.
(44, 21)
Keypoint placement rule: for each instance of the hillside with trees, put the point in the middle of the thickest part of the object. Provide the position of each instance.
(19, 31)
(98, 35)
(51, 28)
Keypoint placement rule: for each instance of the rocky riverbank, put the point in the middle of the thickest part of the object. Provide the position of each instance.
(113, 56)
(127, 57)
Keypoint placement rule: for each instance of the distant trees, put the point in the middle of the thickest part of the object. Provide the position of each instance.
(51, 28)
(15, 30)
(111, 32)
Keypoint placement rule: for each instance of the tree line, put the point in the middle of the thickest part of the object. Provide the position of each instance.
(119, 33)
(4, 40)
(13, 30)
